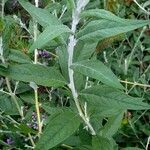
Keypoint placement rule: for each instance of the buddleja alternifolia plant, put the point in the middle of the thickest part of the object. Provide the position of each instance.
(92, 99)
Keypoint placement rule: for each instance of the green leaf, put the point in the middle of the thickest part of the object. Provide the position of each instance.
(22, 88)
(112, 125)
(132, 148)
(100, 29)
(85, 136)
(59, 128)
(101, 99)
(7, 32)
(84, 50)
(43, 17)
(79, 81)
(101, 143)
(51, 7)
(18, 56)
(41, 75)
(63, 57)
(23, 128)
(107, 42)
(70, 5)
(53, 110)
(28, 97)
(100, 14)
(7, 105)
(50, 32)
(100, 106)
(83, 147)
(97, 70)
(1, 26)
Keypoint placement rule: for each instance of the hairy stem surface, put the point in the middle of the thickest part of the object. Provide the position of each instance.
(72, 42)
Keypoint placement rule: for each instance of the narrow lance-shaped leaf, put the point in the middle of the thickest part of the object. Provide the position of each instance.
(112, 126)
(49, 34)
(43, 17)
(60, 127)
(7, 105)
(18, 56)
(63, 57)
(97, 70)
(100, 14)
(106, 97)
(101, 143)
(100, 105)
(41, 75)
(100, 29)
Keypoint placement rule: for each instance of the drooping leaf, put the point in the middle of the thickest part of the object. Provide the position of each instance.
(79, 80)
(23, 128)
(41, 75)
(53, 110)
(109, 41)
(22, 88)
(101, 143)
(18, 56)
(84, 136)
(28, 97)
(43, 17)
(59, 128)
(100, 106)
(102, 98)
(83, 50)
(98, 30)
(97, 70)
(50, 32)
(8, 106)
(112, 126)
(63, 58)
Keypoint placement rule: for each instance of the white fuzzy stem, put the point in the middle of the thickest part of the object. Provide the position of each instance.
(142, 8)
(148, 142)
(2, 9)
(35, 35)
(72, 42)
(1, 39)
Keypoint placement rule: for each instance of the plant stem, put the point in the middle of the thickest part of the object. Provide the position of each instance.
(147, 69)
(148, 142)
(38, 111)
(2, 10)
(135, 83)
(130, 123)
(66, 146)
(14, 98)
(31, 140)
(72, 42)
(36, 89)
(142, 8)
(135, 46)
